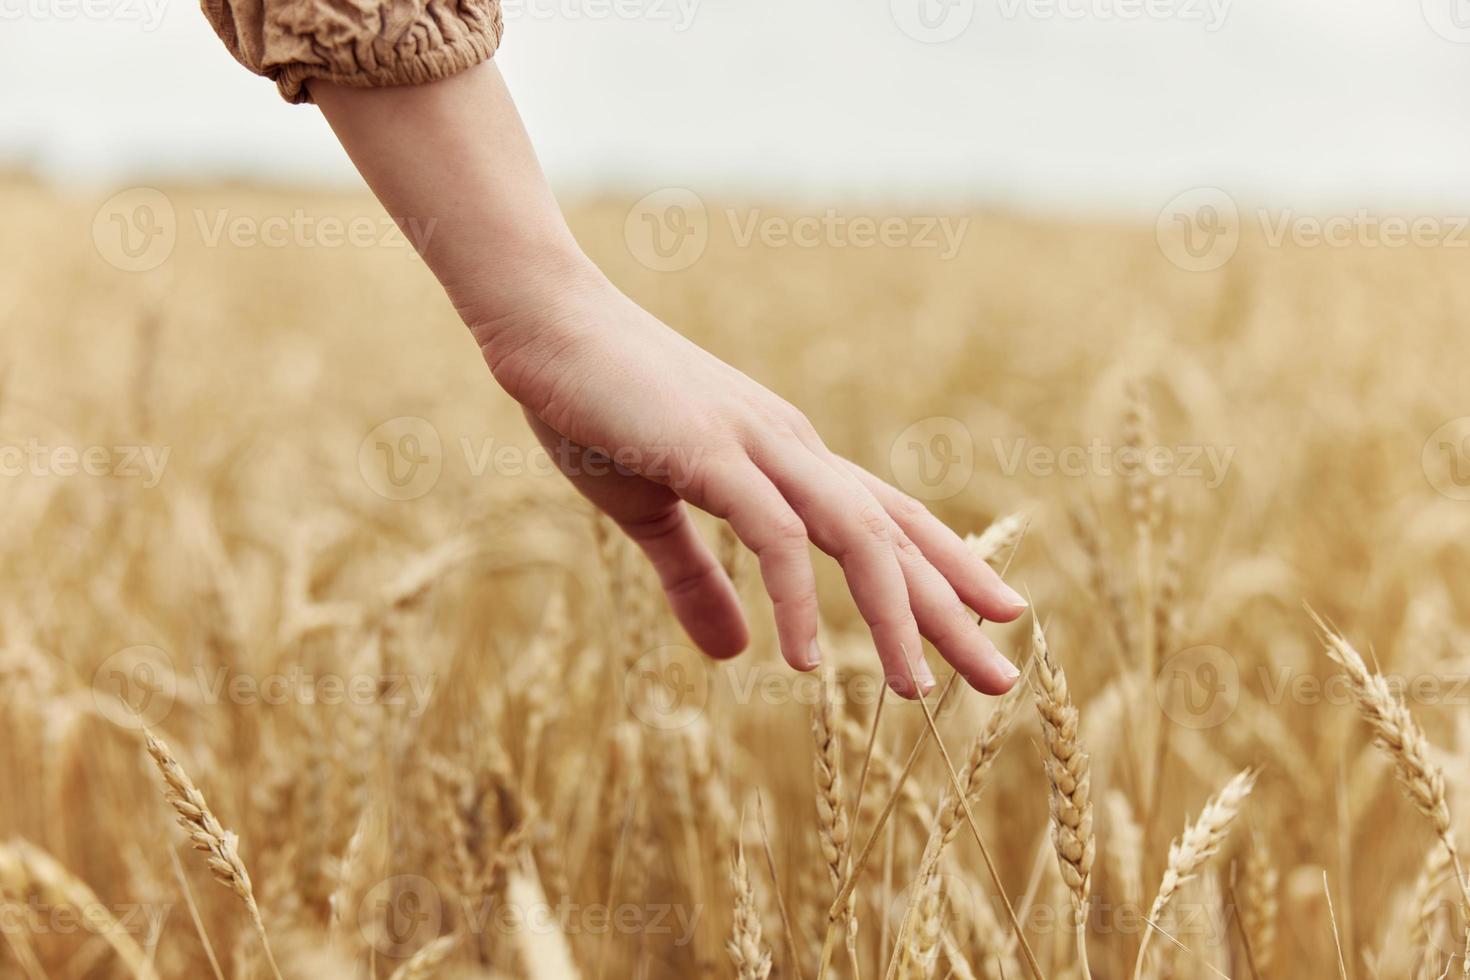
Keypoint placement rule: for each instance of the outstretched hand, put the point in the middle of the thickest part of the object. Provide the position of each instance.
(593, 369)
(672, 424)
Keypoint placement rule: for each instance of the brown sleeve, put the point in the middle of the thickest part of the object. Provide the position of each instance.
(366, 43)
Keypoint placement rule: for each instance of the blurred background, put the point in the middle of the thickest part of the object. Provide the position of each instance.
(1104, 105)
(995, 249)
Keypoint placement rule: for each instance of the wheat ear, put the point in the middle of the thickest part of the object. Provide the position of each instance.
(1401, 738)
(1125, 851)
(1068, 772)
(1194, 847)
(1432, 873)
(1001, 535)
(984, 748)
(833, 826)
(426, 962)
(752, 960)
(1258, 917)
(207, 836)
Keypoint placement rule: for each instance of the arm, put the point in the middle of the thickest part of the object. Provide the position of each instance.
(591, 368)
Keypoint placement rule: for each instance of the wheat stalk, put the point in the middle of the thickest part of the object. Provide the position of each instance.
(1194, 847)
(206, 835)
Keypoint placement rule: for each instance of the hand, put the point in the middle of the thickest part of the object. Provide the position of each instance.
(593, 369)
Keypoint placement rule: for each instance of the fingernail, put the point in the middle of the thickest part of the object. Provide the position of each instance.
(924, 675)
(813, 655)
(1012, 597)
(1008, 670)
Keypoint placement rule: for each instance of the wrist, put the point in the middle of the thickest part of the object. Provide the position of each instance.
(541, 307)
(521, 285)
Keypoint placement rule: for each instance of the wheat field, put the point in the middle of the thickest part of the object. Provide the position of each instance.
(275, 703)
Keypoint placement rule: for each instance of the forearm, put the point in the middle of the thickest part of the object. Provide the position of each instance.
(453, 158)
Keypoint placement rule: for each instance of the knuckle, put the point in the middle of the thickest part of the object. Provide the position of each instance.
(686, 581)
(794, 603)
(787, 530)
(895, 621)
(655, 526)
(954, 619)
(873, 524)
(906, 507)
(907, 550)
(802, 425)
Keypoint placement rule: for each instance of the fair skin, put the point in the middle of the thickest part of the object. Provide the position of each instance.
(592, 368)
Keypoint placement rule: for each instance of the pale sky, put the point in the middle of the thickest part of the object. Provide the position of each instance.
(1112, 105)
